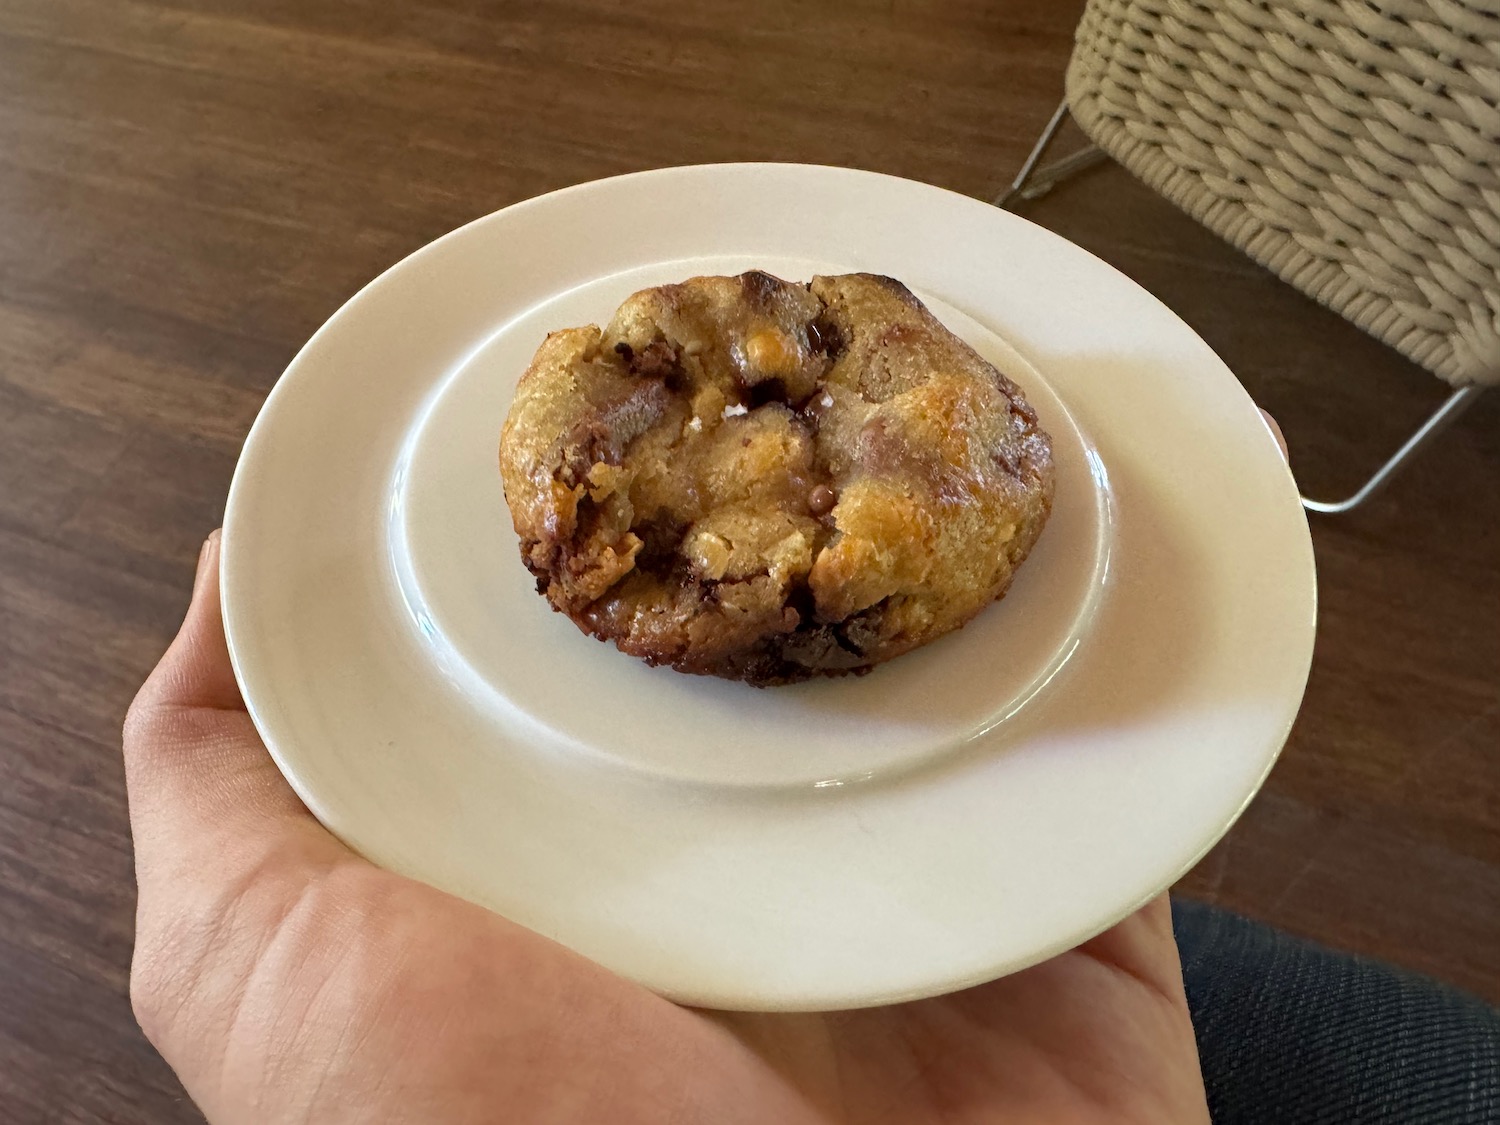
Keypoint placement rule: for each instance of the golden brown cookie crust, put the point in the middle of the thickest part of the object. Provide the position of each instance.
(765, 481)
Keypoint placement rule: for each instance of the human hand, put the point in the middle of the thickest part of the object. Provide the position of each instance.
(287, 979)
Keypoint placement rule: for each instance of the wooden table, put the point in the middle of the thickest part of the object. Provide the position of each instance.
(189, 188)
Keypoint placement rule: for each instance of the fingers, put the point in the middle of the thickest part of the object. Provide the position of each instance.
(1143, 947)
(202, 788)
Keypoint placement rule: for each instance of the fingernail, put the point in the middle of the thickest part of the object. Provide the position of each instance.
(206, 554)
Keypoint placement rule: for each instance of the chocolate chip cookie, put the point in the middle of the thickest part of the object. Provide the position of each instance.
(767, 481)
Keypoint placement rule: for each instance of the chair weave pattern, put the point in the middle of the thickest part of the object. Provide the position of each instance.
(1352, 146)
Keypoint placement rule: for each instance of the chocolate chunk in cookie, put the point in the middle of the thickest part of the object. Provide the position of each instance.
(764, 481)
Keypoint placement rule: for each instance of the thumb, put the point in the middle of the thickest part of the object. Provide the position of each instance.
(201, 786)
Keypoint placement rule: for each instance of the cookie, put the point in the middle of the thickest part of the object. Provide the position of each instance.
(766, 481)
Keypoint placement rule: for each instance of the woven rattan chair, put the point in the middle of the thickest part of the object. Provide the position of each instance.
(1352, 146)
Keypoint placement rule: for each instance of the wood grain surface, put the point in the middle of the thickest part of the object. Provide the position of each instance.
(189, 188)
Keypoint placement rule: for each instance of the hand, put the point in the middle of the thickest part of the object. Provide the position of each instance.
(286, 979)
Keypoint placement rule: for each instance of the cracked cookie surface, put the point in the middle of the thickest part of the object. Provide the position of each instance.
(766, 481)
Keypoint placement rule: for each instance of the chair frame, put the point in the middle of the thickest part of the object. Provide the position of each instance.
(1032, 182)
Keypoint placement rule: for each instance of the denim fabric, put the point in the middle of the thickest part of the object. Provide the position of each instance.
(1290, 1033)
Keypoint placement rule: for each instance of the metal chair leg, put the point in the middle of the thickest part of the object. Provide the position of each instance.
(1445, 415)
(1031, 182)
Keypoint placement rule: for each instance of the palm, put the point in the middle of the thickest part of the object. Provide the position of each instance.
(287, 979)
(1098, 1034)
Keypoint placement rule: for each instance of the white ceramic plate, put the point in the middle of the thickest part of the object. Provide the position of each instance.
(960, 813)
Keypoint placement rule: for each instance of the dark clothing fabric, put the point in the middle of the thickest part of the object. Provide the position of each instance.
(1290, 1033)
